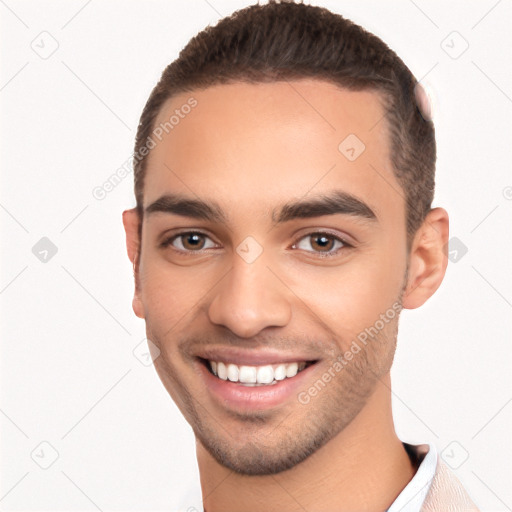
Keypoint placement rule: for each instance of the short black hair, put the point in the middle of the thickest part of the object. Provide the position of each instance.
(286, 40)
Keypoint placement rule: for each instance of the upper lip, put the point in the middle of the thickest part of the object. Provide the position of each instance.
(256, 357)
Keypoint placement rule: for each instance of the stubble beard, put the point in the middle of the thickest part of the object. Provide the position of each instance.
(264, 444)
(272, 444)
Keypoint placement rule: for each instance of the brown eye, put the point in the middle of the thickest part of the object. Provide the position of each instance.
(322, 243)
(191, 241)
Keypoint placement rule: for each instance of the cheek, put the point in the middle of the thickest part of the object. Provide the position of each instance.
(350, 297)
(165, 291)
(172, 293)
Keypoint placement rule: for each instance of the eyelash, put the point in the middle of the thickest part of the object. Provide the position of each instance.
(345, 245)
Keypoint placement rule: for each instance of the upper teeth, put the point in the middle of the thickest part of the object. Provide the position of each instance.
(268, 374)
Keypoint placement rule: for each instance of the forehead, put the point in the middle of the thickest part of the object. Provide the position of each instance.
(248, 144)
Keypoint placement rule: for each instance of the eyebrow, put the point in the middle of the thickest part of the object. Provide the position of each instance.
(178, 204)
(332, 203)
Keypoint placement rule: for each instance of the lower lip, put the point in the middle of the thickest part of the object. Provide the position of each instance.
(238, 396)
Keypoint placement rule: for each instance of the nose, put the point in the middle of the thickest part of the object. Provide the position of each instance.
(250, 298)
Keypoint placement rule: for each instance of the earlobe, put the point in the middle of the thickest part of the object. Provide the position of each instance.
(137, 306)
(428, 259)
(131, 223)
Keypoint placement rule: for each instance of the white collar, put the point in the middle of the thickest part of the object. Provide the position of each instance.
(413, 495)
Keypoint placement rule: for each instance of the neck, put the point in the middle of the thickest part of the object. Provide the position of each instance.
(364, 468)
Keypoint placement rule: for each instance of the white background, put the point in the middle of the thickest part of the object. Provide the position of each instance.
(69, 376)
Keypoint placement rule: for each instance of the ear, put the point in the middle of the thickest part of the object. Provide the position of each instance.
(131, 222)
(428, 259)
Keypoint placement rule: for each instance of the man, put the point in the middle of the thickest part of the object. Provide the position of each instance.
(284, 175)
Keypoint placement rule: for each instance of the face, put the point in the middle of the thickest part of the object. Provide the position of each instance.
(268, 254)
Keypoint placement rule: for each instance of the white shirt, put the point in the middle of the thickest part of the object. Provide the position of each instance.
(414, 493)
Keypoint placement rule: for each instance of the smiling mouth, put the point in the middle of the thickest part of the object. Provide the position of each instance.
(260, 375)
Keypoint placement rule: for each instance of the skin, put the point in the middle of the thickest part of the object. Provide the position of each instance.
(252, 148)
